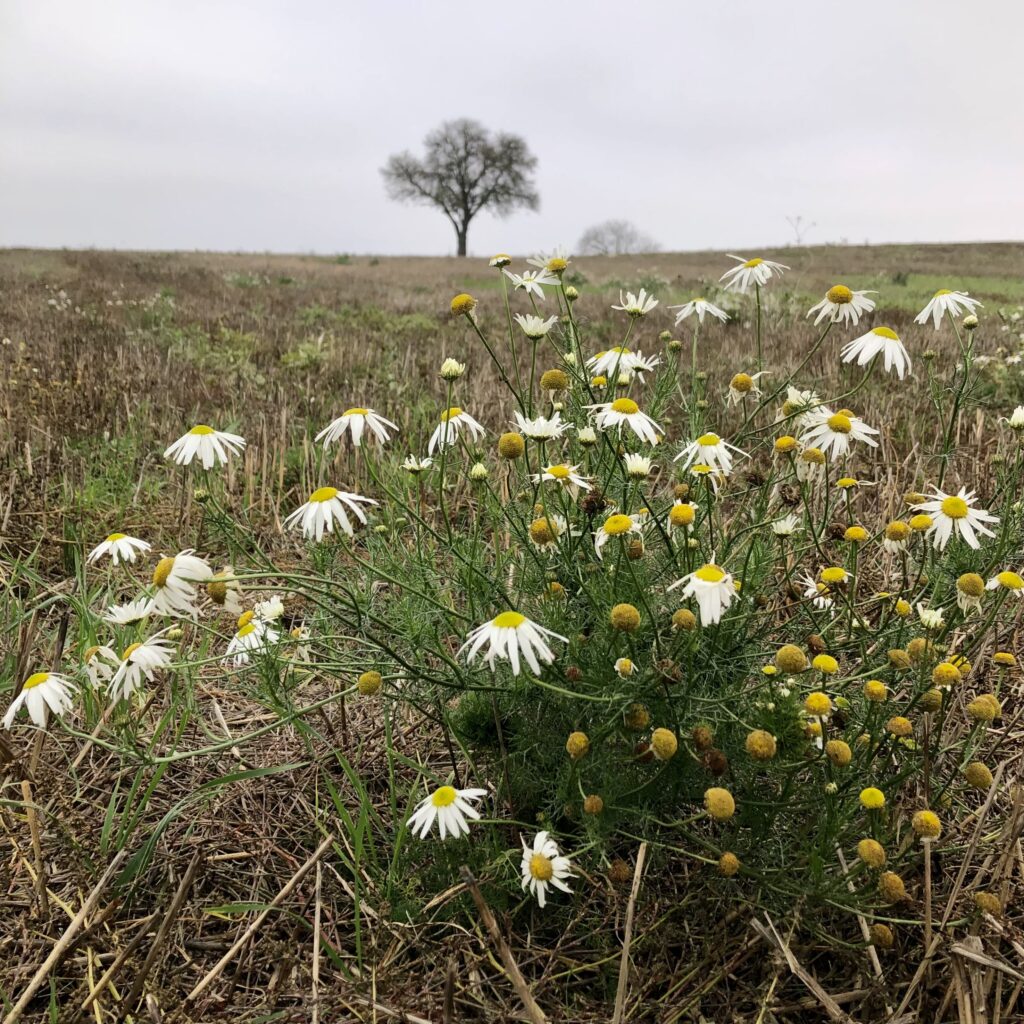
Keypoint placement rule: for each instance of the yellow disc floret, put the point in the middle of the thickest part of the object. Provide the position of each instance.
(954, 507)
(719, 803)
(625, 406)
(444, 797)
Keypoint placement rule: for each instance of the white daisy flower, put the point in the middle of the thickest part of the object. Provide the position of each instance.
(616, 525)
(815, 592)
(356, 422)
(945, 301)
(40, 694)
(700, 308)
(327, 506)
(896, 538)
(681, 515)
(415, 465)
(211, 446)
(120, 547)
(1016, 420)
(502, 259)
(566, 476)
(931, 618)
(140, 660)
(252, 637)
(955, 513)
(453, 422)
(610, 415)
(543, 865)
(128, 614)
(1008, 580)
(637, 466)
(451, 369)
(545, 530)
(833, 431)
(451, 808)
(810, 465)
(301, 651)
(797, 405)
(636, 305)
(624, 668)
(269, 610)
(509, 635)
(531, 281)
(535, 327)
(710, 450)
(841, 305)
(786, 526)
(620, 360)
(224, 591)
(882, 340)
(756, 271)
(713, 590)
(541, 428)
(744, 385)
(100, 663)
(174, 578)
(554, 262)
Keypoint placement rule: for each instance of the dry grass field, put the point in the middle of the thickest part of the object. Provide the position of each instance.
(248, 825)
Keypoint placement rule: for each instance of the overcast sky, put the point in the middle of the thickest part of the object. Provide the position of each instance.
(262, 124)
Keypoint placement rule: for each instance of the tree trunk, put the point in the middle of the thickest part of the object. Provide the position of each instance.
(460, 234)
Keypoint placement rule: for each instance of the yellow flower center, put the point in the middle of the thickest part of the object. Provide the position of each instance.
(248, 628)
(162, 571)
(886, 332)
(839, 294)
(920, 522)
(840, 424)
(556, 264)
(897, 531)
(1010, 580)
(617, 524)
(444, 797)
(834, 574)
(35, 680)
(355, 412)
(323, 494)
(129, 651)
(558, 472)
(90, 653)
(245, 618)
(954, 507)
(813, 455)
(508, 620)
(626, 406)
(541, 867)
(116, 536)
(450, 414)
(742, 383)
(709, 440)
(755, 262)
(710, 573)
(846, 482)
(202, 429)
(943, 291)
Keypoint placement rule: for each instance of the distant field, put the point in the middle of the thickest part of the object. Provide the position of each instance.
(112, 354)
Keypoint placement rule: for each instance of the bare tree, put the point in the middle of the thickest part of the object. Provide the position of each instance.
(615, 238)
(466, 169)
